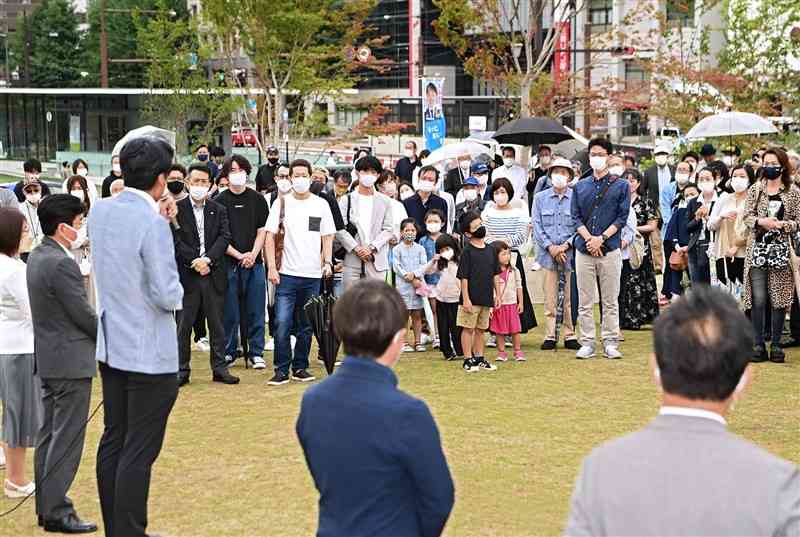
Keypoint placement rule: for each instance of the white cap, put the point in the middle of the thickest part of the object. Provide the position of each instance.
(661, 148)
(561, 162)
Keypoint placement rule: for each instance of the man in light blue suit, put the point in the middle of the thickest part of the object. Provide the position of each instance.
(138, 292)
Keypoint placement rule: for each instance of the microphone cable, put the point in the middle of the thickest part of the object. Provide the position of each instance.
(57, 465)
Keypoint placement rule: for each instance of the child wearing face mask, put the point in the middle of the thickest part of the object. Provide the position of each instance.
(448, 294)
(410, 263)
(434, 224)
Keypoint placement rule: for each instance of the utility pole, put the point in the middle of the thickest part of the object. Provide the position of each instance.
(103, 46)
(27, 49)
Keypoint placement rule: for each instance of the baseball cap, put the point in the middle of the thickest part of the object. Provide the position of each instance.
(708, 150)
(471, 181)
(662, 149)
(478, 167)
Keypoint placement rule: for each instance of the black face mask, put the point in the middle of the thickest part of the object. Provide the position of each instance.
(273, 160)
(175, 187)
(772, 172)
(479, 233)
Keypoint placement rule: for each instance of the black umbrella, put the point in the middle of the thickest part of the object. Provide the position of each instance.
(319, 311)
(532, 131)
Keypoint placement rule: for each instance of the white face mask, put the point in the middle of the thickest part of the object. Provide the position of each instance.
(35, 198)
(409, 153)
(464, 165)
(78, 194)
(706, 187)
(482, 179)
(470, 195)
(446, 253)
(389, 189)
(727, 160)
(238, 178)
(661, 160)
(116, 168)
(367, 180)
(222, 189)
(75, 243)
(682, 178)
(433, 227)
(198, 193)
(544, 161)
(598, 164)
(82, 172)
(426, 186)
(501, 199)
(301, 184)
(559, 181)
(284, 185)
(740, 184)
(616, 170)
(508, 162)
(405, 194)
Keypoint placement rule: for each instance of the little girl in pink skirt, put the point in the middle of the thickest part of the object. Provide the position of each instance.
(505, 318)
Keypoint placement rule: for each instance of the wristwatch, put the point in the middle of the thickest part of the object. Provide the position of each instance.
(604, 237)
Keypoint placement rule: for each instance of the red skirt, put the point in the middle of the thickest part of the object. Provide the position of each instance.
(505, 320)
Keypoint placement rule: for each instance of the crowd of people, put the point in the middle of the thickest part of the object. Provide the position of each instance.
(451, 238)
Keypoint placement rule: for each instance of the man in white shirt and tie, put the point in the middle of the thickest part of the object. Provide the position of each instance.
(685, 473)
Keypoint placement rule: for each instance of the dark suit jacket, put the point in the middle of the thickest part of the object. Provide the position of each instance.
(405, 169)
(453, 181)
(187, 243)
(64, 324)
(375, 455)
(694, 227)
(651, 183)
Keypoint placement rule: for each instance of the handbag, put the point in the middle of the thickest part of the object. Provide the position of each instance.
(771, 253)
(350, 228)
(636, 250)
(280, 236)
(678, 261)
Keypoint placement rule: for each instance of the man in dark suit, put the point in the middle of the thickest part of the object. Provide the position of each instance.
(65, 331)
(201, 239)
(404, 169)
(395, 480)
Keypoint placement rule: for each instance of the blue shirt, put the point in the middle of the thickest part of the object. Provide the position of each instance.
(613, 209)
(430, 250)
(375, 455)
(552, 224)
(417, 210)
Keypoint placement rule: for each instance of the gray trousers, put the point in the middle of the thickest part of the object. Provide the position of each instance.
(351, 275)
(60, 444)
(606, 270)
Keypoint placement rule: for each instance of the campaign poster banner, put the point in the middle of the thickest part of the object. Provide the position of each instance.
(433, 123)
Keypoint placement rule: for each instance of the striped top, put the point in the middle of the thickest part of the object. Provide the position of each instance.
(510, 226)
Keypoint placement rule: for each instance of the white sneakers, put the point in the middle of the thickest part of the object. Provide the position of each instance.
(609, 351)
(16, 491)
(257, 362)
(585, 352)
(612, 352)
(203, 345)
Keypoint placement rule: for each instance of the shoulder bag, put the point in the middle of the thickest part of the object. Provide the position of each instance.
(280, 235)
(636, 250)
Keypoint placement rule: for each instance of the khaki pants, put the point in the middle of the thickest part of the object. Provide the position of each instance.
(607, 270)
(551, 303)
(657, 249)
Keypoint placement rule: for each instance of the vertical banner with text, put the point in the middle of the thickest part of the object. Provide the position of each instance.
(433, 123)
(561, 59)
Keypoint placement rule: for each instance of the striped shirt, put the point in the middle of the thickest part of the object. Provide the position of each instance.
(509, 226)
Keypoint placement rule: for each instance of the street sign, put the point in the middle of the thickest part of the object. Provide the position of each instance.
(49, 116)
(477, 123)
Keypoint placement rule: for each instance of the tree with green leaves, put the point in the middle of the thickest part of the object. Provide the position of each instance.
(298, 53)
(183, 97)
(46, 50)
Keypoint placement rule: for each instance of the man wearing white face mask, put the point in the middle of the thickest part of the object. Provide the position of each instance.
(659, 175)
(306, 258)
(368, 226)
(247, 214)
(404, 169)
(418, 205)
(515, 173)
(700, 367)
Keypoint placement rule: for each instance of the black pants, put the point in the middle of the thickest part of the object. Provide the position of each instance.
(202, 300)
(759, 280)
(136, 408)
(200, 326)
(446, 313)
(735, 269)
(794, 319)
(60, 443)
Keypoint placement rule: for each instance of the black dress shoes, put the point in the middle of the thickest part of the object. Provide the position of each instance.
(225, 377)
(183, 380)
(69, 524)
(759, 354)
(776, 355)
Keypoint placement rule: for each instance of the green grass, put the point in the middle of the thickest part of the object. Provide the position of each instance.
(514, 439)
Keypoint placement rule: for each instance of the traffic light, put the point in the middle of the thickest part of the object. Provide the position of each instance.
(623, 51)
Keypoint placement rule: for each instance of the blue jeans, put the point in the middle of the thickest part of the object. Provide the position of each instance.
(293, 291)
(252, 285)
(699, 269)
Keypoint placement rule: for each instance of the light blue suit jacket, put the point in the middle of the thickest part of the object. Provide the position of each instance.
(138, 287)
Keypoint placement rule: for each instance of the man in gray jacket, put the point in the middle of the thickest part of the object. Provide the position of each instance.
(138, 292)
(65, 330)
(685, 473)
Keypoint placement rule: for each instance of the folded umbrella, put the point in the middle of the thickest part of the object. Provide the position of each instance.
(319, 311)
(532, 131)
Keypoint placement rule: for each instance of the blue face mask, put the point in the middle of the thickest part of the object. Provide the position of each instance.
(772, 172)
(202, 158)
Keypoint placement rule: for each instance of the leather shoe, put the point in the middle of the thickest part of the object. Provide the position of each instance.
(225, 377)
(548, 345)
(69, 524)
(183, 380)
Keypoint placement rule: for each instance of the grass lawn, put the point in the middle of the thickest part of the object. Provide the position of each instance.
(514, 439)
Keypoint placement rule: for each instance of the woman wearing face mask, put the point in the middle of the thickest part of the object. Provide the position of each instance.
(726, 221)
(511, 225)
(698, 211)
(772, 212)
(387, 185)
(670, 197)
(78, 187)
(116, 173)
(638, 298)
(80, 168)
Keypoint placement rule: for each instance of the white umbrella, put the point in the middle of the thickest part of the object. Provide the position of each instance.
(731, 124)
(453, 151)
(147, 130)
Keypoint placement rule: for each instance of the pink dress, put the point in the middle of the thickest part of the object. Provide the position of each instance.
(505, 319)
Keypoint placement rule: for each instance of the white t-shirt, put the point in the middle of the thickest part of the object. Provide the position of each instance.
(306, 222)
(365, 204)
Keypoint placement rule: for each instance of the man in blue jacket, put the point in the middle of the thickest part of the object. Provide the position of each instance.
(373, 451)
